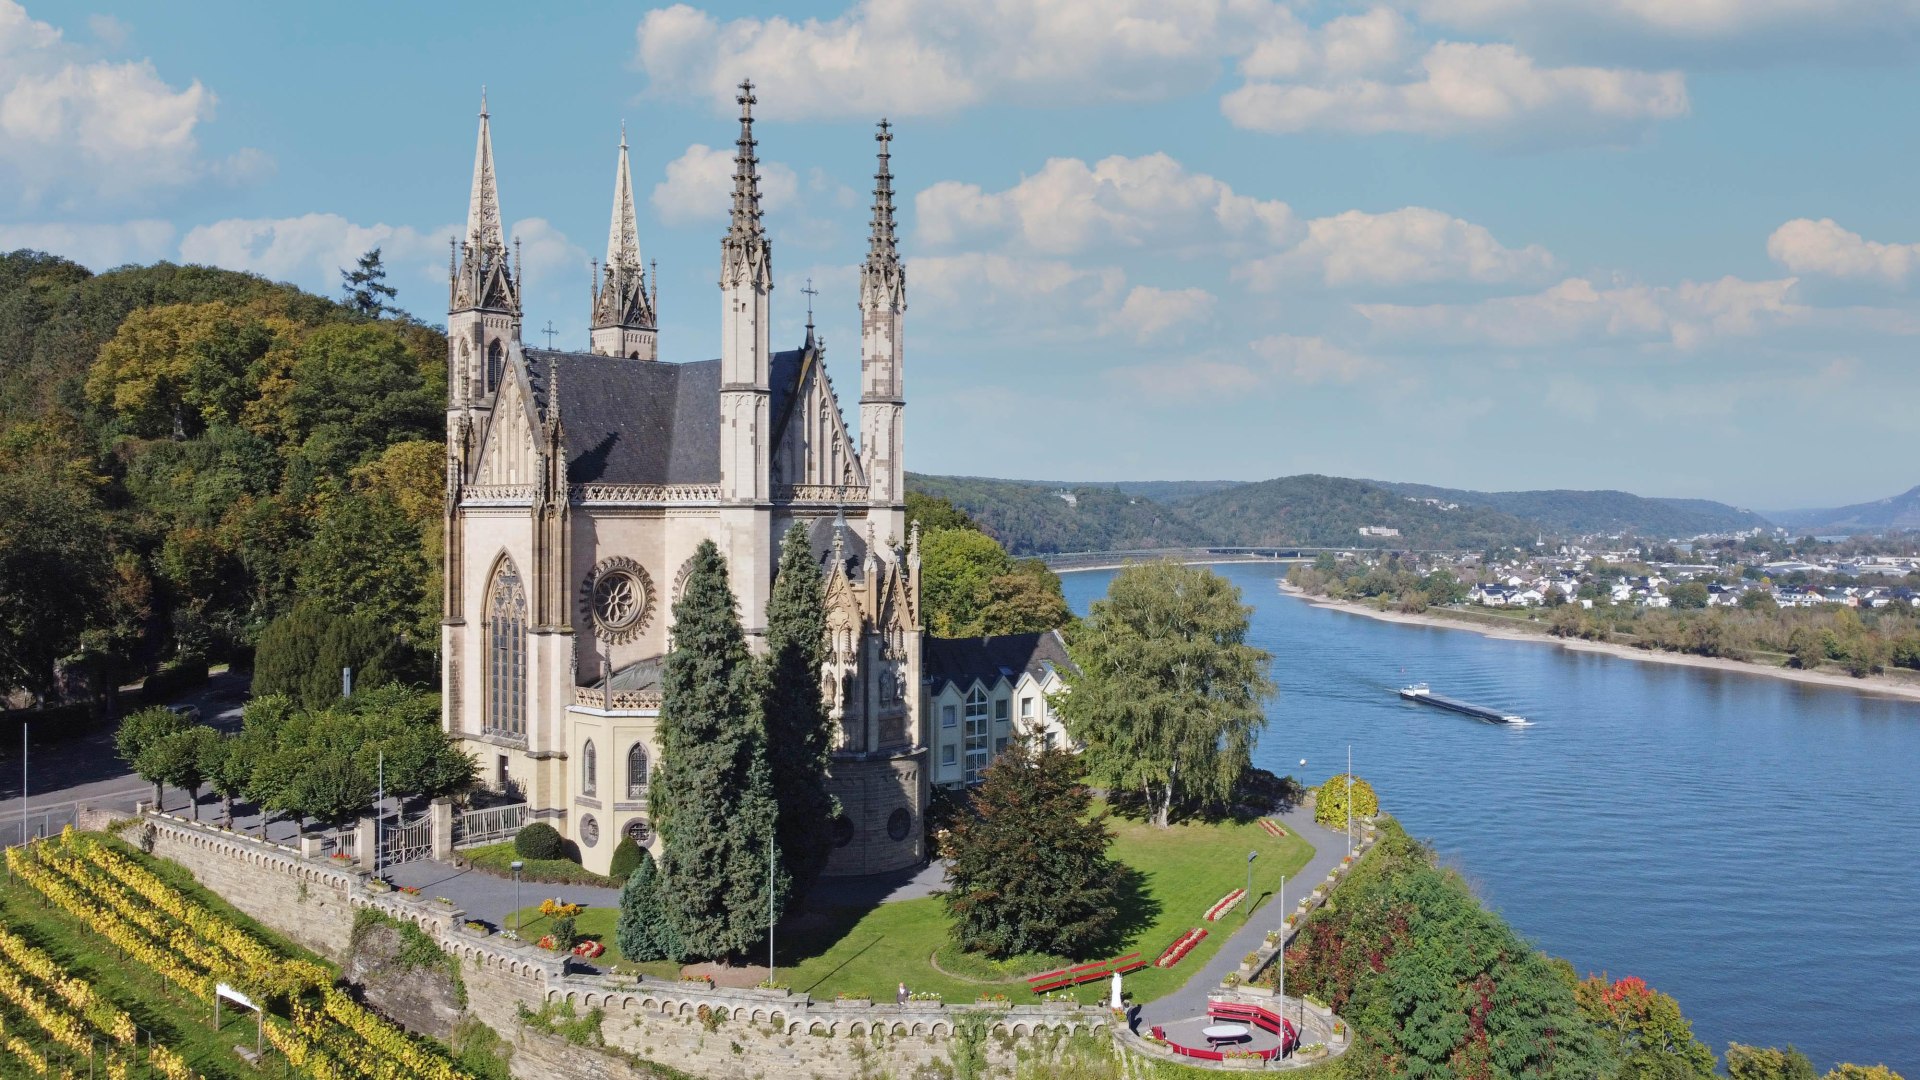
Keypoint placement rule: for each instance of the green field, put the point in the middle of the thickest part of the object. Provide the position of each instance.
(1175, 875)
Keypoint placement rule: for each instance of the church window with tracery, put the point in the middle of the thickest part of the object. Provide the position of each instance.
(506, 651)
(637, 772)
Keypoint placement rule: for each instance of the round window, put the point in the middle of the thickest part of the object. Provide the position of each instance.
(618, 596)
(899, 823)
(842, 831)
(589, 831)
(639, 832)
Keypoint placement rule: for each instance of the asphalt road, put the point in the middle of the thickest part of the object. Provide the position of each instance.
(66, 769)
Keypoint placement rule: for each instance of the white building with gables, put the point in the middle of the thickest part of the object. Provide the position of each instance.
(580, 483)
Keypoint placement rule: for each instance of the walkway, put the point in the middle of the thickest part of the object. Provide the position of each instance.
(1191, 999)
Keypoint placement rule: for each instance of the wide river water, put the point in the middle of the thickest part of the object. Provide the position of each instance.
(1743, 843)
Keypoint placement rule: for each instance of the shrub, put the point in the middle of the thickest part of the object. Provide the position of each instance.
(538, 840)
(563, 932)
(1330, 801)
(626, 859)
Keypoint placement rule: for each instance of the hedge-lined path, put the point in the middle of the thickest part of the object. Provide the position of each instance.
(1329, 847)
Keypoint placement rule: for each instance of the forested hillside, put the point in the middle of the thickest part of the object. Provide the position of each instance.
(1899, 512)
(1600, 512)
(184, 450)
(1032, 519)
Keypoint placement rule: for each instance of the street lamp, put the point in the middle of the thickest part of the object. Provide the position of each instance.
(1349, 800)
(1251, 855)
(1280, 990)
(517, 865)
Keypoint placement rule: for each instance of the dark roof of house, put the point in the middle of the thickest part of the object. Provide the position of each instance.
(962, 660)
(641, 421)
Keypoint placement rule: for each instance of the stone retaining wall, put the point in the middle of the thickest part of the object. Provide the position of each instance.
(698, 1029)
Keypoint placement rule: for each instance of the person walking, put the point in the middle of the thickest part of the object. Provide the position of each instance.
(901, 998)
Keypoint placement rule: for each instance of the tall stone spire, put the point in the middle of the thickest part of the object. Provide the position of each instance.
(483, 205)
(624, 323)
(746, 249)
(882, 248)
(883, 306)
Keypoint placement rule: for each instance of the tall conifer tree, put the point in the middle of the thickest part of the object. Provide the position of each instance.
(712, 798)
(799, 736)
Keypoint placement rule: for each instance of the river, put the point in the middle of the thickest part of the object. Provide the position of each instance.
(1742, 843)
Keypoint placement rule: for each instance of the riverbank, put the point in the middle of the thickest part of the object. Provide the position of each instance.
(1891, 686)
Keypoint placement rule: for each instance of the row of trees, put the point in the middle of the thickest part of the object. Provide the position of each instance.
(739, 795)
(186, 452)
(302, 764)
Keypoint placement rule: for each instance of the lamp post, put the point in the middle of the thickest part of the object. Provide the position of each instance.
(772, 850)
(517, 864)
(1251, 855)
(1280, 961)
(1349, 800)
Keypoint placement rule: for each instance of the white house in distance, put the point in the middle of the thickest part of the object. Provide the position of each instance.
(981, 693)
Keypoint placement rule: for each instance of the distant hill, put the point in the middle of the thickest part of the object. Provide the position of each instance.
(1037, 517)
(1600, 512)
(1899, 512)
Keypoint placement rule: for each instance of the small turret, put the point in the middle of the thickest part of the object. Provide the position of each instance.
(624, 321)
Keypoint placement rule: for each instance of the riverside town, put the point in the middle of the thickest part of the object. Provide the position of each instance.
(436, 647)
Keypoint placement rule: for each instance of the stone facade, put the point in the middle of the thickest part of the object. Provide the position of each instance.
(697, 1029)
(578, 486)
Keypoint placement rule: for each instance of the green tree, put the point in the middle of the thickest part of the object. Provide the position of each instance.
(644, 930)
(712, 798)
(1688, 595)
(1168, 699)
(1767, 1063)
(301, 654)
(366, 561)
(139, 733)
(229, 765)
(364, 289)
(957, 570)
(1849, 1071)
(1025, 599)
(1644, 1030)
(180, 760)
(799, 730)
(1029, 871)
(935, 512)
(1758, 599)
(54, 570)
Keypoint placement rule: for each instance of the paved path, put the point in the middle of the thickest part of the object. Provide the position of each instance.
(1191, 999)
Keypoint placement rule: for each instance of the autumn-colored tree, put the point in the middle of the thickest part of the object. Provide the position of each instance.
(1643, 1027)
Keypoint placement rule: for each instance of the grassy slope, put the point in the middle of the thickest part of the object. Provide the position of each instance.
(497, 859)
(1182, 871)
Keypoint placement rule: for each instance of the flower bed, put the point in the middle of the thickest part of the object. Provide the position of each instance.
(1226, 903)
(1178, 950)
(589, 950)
(1273, 827)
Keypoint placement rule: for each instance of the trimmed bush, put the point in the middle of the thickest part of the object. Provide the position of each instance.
(1330, 801)
(538, 840)
(626, 859)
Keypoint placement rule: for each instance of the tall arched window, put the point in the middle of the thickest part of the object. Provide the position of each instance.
(496, 361)
(507, 654)
(589, 768)
(637, 772)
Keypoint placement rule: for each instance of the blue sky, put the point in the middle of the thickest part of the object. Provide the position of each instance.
(1669, 246)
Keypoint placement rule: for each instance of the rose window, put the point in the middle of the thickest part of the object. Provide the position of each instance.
(618, 596)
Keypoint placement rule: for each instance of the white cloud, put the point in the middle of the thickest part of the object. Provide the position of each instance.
(97, 247)
(984, 288)
(72, 126)
(918, 57)
(1407, 246)
(1119, 203)
(1805, 246)
(1696, 28)
(311, 248)
(1576, 311)
(1463, 88)
(1149, 313)
(545, 252)
(699, 186)
(1266, 364)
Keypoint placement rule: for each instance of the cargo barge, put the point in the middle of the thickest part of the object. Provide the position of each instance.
(1420, 693)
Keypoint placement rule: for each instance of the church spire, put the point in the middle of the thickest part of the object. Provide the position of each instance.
(623, 315)
(882, 248)
(483, 205)
(746, 173)
(623, 237)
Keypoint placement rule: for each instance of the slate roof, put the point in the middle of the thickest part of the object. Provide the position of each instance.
(633, 421)
(639, 421)
(962, 660)
(641, 675)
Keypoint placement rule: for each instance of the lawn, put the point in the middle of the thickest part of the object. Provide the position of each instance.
(1178, 874)
(497, 859)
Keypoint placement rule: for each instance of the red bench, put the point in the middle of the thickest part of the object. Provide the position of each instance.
(1074, 976)
(1262, 1018)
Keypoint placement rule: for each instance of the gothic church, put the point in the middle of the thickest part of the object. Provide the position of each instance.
(579, 484)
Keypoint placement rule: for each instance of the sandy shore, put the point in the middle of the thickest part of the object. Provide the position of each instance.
(1873, 684)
